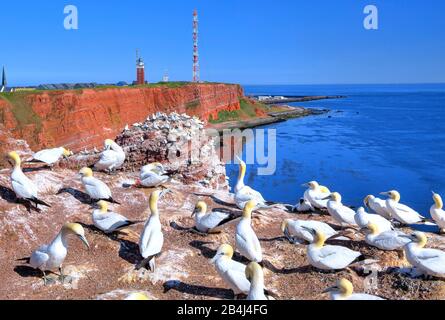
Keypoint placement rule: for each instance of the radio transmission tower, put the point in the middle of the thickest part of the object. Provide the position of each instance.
(195, 47)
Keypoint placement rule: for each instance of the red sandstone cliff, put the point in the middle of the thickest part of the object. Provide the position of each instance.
(83, 119)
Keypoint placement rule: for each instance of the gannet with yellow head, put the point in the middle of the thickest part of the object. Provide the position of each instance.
(112, 158)
(51, 256)
(51, 156)
(152, 175)
(329, 257)
(344, 290)
(254, 273)
(377, 205)
(109, 221)
(341, 213)
(437, 212)
(402, 213)
(247, 242)
(152, 238)
(23, 187)
(208, 222)
(363, 218)
(429, 261)
(387, 240)
(296, 230)
(316, 194)
(244, 193)
(95, 188)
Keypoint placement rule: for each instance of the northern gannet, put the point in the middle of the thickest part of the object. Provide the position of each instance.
(387, 240)
(232, 272)
(96, 189)
(152, 238)
(303, 206)
(137, 296)
(111, 158)
(363, 218)
(401, 212)
(254, 273)
(341, 213)
(378, 206)
(316, 194)
(51, 256)
(247, 242)
(343, 290)
(244, 193)
(23, 187)
(208, 222)
(297, 229)
(429, 261)
(107, 221)
(51, 156)
(437, 212)
(152, 175)
(329, 257)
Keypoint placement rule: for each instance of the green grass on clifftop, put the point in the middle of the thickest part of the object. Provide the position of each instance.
(21, 110)
(247, 111)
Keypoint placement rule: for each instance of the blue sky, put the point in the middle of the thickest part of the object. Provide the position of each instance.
(247, 42)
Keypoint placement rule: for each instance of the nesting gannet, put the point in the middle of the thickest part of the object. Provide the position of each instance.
(341, 213)
(244, 193)
(152, 238)
(111, 158)
(297, 229)
(232, 272)
(208, 222)
(378, 206)
(254, 273)
(108, 221)
(95, 188)
(387, 240)
(137, 296)
(152, 176)
(303, 206)
(316, 194)
(343, 290)
(429, 261)
(329, 257)
(23, 187)
(247, 242)
(401, 212)
(437, 213)
(51, 156)
(51, 256)
(363, 218)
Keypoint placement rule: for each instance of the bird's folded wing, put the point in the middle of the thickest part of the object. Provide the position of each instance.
(39, 257)
(24, 189)
(107, 158)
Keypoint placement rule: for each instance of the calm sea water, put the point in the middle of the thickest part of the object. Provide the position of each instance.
(380, 137)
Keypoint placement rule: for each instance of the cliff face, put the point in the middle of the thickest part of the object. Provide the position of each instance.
(83, 119)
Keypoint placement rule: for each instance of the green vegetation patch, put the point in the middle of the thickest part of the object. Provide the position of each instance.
(21, 110)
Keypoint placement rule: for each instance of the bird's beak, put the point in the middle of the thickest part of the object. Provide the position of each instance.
(326, 198)
(329, 289)
(194, 212)
(305, 185)
(312, 231)
(238, 159)
(84, 240)
(165, 191)
(384, 193)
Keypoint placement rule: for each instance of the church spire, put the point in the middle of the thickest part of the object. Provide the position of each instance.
(4, 82)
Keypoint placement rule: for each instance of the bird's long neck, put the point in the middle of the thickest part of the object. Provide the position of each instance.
(241, 175)
(154, 207)
(257, 283)
(61, 239)
(438, 203)
(320, 239)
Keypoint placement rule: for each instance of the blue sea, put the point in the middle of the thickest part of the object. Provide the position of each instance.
(378, 138)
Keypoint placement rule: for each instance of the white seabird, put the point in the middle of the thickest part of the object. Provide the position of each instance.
(244, 193)
(341, 213)
(429, 261)
(297, 229)
(51, 256)
(329, 257)
(378, 206)
(388, 240)
(152, 175)
(303, 206)
(254, 273)
(247, 242)
(137, 296)
(23, 187)
(208, 222)
(437, 212)
(343, 290)
(401, 212)
(363, 218)
(316, 194)
(95, 188)
(51, 156)
(108, 221)
(111, 158)
(152, 238)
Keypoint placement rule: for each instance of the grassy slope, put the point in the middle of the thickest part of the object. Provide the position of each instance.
(22, 111)
(247, 111)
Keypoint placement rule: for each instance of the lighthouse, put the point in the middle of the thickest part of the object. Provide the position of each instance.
(140, 70)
